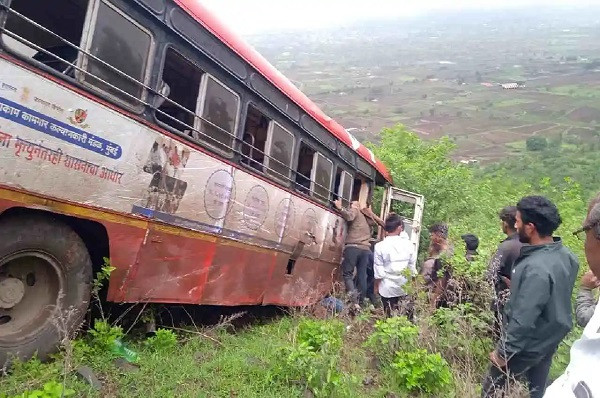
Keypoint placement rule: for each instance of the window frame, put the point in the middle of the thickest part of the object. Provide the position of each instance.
(272, 173)
(313, 175)
(260, 109)
(87, 37)
(201, 101)
(340, 193)
(182, 54)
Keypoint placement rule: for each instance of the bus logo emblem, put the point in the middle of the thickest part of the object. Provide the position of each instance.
(79, 117)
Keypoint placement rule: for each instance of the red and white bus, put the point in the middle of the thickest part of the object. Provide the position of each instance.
(144, 131)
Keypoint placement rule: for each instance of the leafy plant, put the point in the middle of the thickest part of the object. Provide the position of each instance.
(51, 389)
(463, 332)
(419, 371)
(102, 276)
(163, 340)
(314, 360)
(321, 335)
(104, 335)
(391, 335)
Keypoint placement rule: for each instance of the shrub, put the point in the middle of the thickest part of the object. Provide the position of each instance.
(51, 389)
(321, 335)
(103, 335)
(419, 371)
(314, 359)
(463, 332)
(163, 340)
(391, 335)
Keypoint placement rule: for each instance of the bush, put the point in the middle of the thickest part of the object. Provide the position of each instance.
(314, 360)
(103, 335)
(391, 335)
(51, 389)
(419, 371)
(536, 143)
(463, 333)
(163, 340)
(321, 335)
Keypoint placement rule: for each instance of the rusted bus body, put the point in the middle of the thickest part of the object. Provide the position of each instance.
(227, 240)
(144, 131)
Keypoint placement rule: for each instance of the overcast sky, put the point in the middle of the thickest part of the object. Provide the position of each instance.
(255, 16)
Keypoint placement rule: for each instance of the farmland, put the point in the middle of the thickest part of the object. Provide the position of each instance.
(441, 74)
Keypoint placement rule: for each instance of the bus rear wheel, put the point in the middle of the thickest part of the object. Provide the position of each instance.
(45, 284)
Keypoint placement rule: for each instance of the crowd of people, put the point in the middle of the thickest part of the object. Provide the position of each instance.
(532, 274)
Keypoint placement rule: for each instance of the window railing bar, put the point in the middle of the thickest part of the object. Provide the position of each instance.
(156, 93)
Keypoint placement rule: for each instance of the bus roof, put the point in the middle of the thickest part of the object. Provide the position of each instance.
(250, 55)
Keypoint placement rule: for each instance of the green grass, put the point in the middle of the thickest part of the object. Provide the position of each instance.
(512, 102)
(576, 91)
(517, 145)
(212, 364)
(198, 367)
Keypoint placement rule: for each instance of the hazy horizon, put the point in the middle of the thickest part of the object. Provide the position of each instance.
(260, 16)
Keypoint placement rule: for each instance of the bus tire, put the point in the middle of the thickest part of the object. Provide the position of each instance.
(45, 286)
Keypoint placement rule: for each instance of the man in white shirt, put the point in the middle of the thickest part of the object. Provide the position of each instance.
(581, 377)
(394, 261)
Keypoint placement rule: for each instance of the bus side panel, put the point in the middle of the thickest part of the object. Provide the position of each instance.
(172, 266)
(125, 242)
(58, 143)
(239, 274)
(309, 281)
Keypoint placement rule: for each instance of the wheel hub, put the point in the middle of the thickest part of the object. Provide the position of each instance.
(12, 291)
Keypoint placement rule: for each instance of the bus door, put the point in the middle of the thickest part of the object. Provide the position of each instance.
(407, 204)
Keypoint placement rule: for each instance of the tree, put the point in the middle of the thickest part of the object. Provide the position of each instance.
(536, 143)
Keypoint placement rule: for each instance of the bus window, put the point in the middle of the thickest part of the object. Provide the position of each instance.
(219, 109)
(254, 139)
(280, 147)
(322, 173)
(360, 191)
(304, 169)
(343, 186)
(64, 18)
(183, 81)
(356, 187)
(124, 45)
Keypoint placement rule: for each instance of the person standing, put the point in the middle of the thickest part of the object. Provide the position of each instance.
(580, 379)
(471, 245)
(538, 314)
(435, 269)
(394, 263)
(502, 262)
(585, 303)
(373, 221)
(357, 250)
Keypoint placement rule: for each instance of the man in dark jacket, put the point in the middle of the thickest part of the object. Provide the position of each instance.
(501, 266)
(538, 314)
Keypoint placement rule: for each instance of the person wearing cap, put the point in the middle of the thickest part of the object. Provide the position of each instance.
(538, 313)
(580, 379)
(471, 245)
